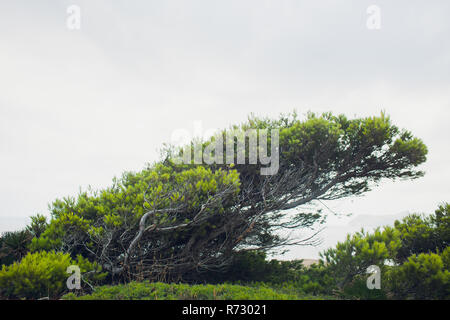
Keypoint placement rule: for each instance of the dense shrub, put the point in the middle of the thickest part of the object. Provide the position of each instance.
(422, 234)
(14, 246)
(252, 268)
(413, 257)
(423, 276)
(350, 259)
(316, 280)
(357, 289)
(43, 274)
(164, 291)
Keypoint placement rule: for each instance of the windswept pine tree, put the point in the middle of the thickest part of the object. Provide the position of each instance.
(173, 220)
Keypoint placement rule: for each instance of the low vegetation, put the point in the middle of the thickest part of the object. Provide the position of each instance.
(163, 291)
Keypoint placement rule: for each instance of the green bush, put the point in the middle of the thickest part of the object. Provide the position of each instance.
(14, 246)
(423, 276)
(42, 274)
(357, 289)
(413, 256)
(251, 268)
(424, 234)
(163, 291)
(351, 258)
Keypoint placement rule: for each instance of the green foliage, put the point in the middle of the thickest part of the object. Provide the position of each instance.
(75, 221)
(422, 234)
(43, 274)
(423, 276)
(413, 257)
(163, 291)
(315, 279)
(38, 225)
(357, 289)
(251, 268)
(366, 149)
(352, 257)
(14, 246)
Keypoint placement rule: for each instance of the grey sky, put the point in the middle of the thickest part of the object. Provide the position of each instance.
(79, 107)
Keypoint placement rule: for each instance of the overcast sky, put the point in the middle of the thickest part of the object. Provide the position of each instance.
(78, 107)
